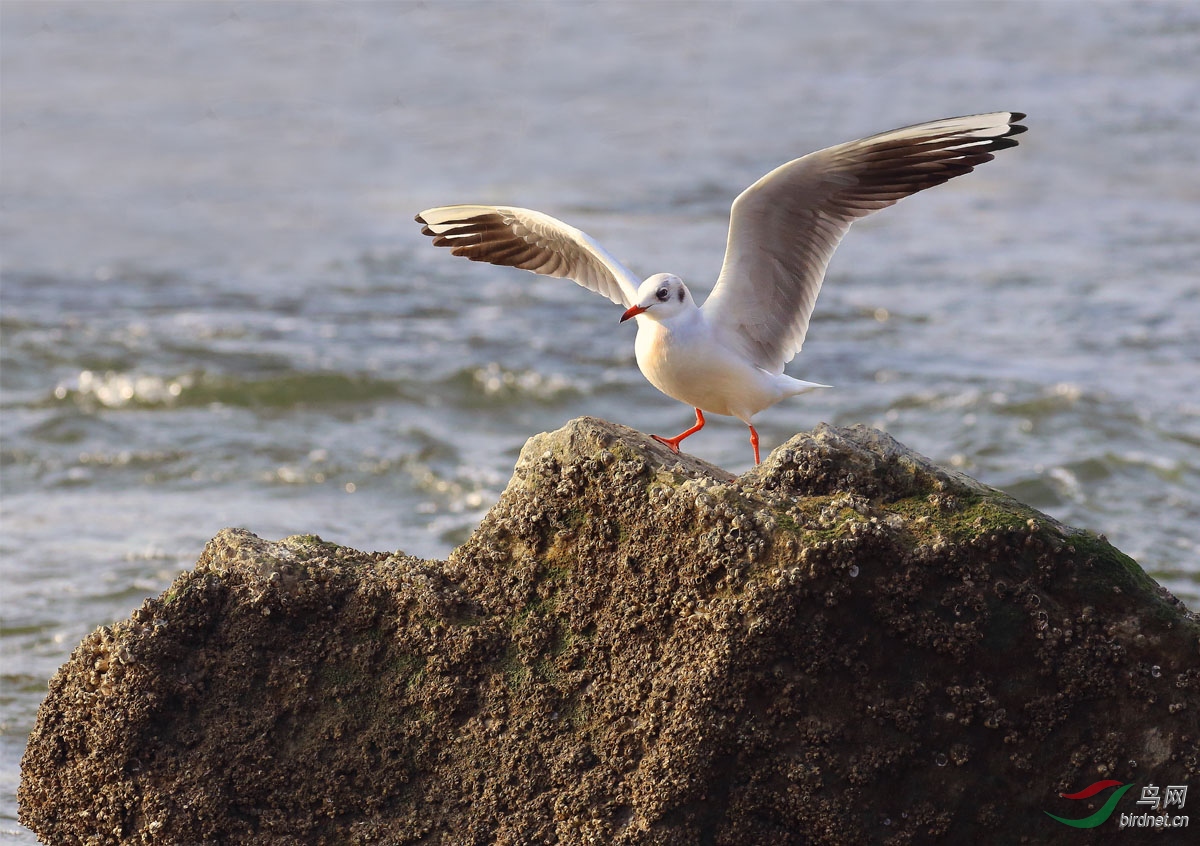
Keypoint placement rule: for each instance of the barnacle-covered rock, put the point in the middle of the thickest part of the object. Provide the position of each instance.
(847, 644)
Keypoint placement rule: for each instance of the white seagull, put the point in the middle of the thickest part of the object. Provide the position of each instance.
(727, 356)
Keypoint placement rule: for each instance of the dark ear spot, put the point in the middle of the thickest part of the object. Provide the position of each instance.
(681, 293)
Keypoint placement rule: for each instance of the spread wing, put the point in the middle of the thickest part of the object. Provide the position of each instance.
(784, 228)
(531, 241)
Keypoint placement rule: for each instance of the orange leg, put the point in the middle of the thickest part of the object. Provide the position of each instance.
(673, 443)
(754, 443)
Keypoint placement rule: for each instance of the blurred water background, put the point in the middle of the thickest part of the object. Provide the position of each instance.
(217, 310)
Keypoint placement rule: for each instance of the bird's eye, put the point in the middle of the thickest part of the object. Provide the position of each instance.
(662, 294)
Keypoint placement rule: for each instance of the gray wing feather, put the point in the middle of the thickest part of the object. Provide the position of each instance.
(532, 241)
(784, 228)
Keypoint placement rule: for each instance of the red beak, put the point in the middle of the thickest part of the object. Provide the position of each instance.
(633, 311)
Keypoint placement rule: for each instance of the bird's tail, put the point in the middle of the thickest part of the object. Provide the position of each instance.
(790, 387)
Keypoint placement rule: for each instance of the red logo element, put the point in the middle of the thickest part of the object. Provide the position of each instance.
(1091, 790)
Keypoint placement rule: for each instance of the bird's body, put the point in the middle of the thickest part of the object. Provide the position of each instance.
(727, 357)
(685, 359)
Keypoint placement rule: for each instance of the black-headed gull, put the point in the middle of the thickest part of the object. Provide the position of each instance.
(727, 356)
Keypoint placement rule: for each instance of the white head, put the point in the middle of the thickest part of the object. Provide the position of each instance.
(661, 297)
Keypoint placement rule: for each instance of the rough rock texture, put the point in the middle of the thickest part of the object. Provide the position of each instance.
(845, 645)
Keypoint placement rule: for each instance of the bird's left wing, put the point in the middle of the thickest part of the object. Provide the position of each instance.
(531, 241)
(785, 226)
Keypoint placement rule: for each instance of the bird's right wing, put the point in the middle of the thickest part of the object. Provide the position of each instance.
(531, 241)
(785, 226)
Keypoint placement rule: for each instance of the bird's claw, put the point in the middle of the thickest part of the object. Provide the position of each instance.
(669, 444)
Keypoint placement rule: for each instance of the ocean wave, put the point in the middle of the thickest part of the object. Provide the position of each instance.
(494, 384)
(485, 385)
(116, 390)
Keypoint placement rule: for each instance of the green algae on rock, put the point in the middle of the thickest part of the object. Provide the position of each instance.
(847, 644)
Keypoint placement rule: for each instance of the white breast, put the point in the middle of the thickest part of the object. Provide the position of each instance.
(683, 359)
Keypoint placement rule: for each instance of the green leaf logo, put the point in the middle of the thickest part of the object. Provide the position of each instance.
(1105, 811)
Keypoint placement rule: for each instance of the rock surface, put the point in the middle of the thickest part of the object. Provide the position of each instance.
(847, 644)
